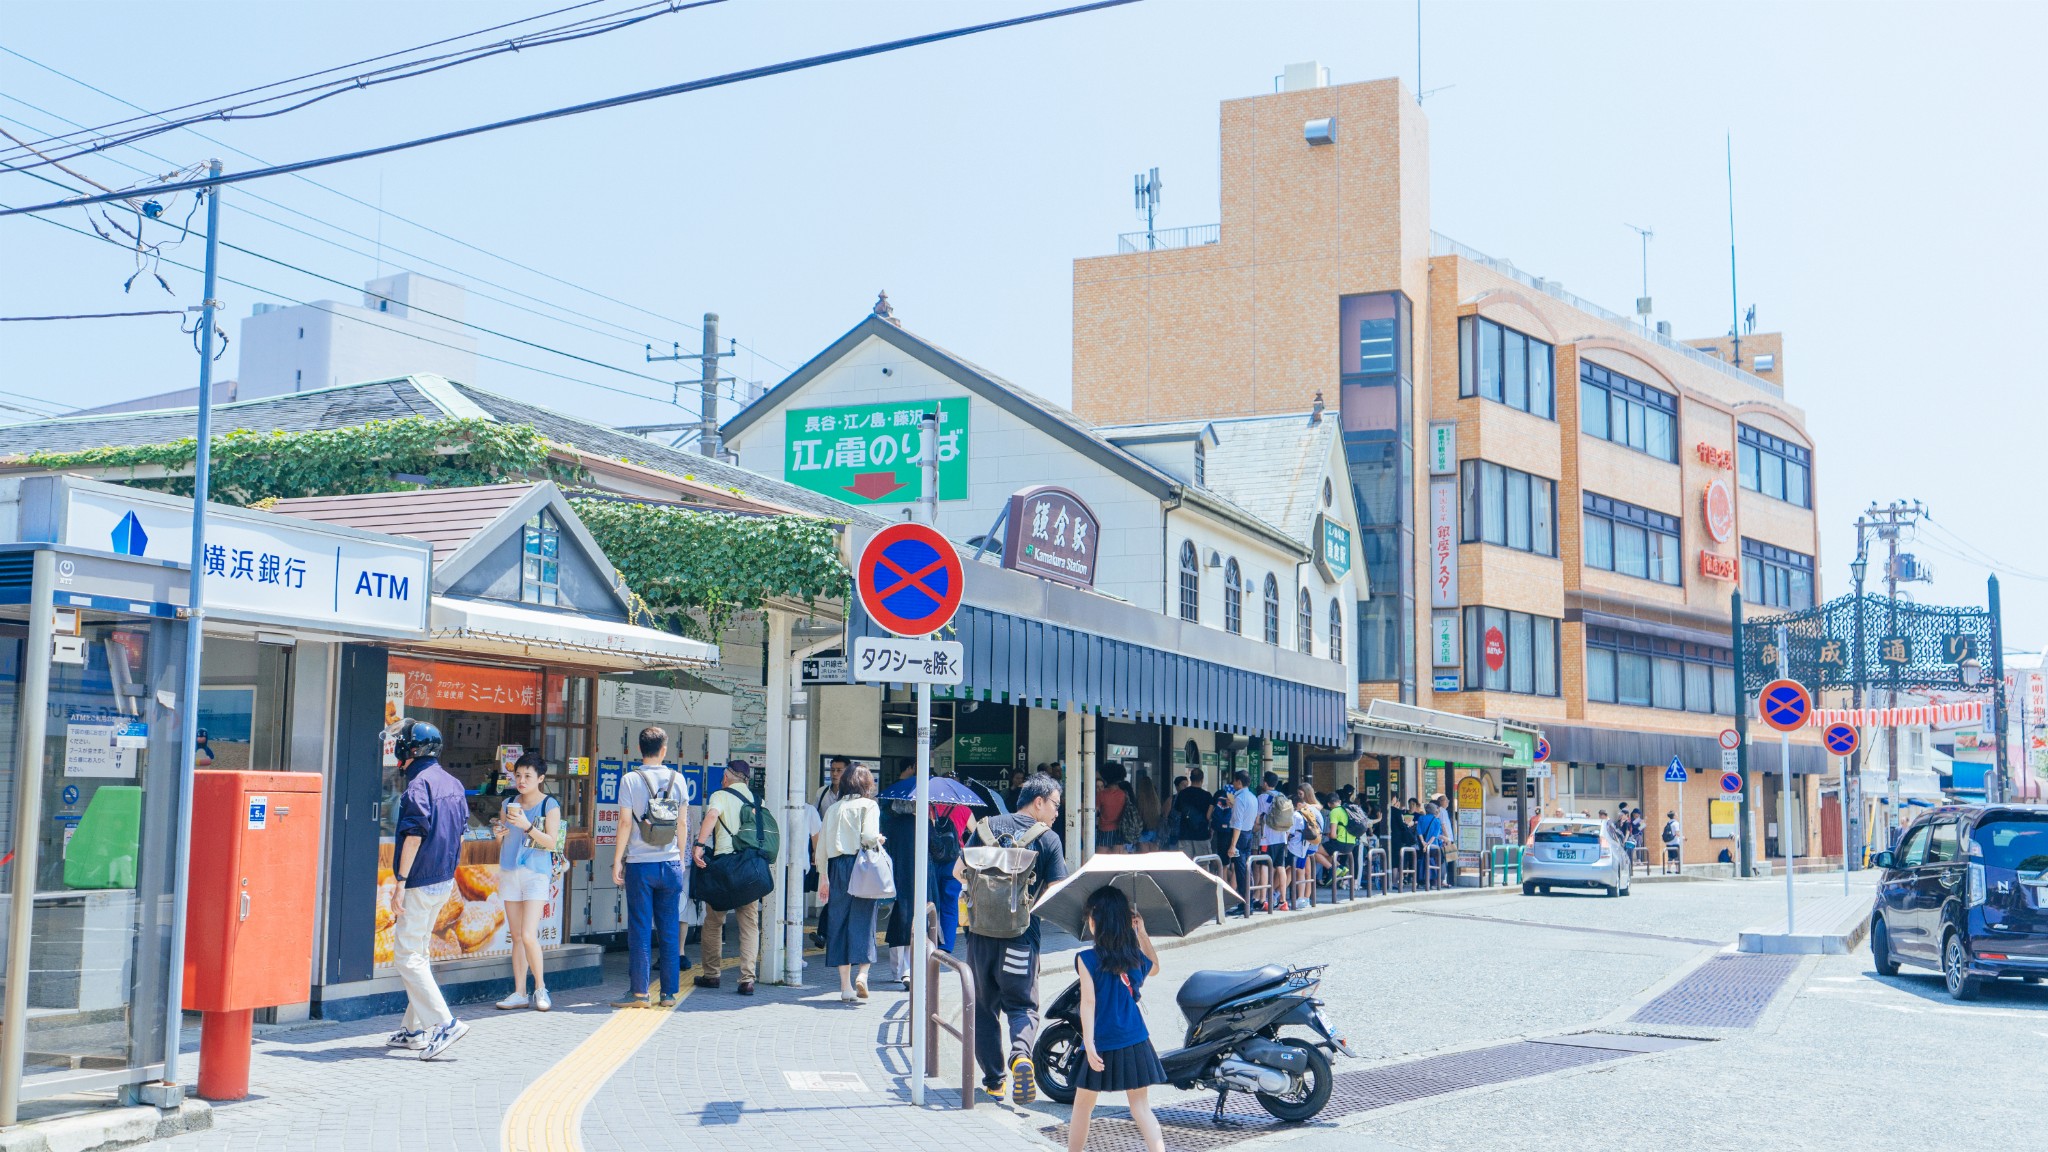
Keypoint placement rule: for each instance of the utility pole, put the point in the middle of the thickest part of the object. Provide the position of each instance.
(1643, 301)
(1888, 522)
(708, 381)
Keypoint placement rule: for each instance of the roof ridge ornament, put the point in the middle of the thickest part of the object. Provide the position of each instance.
(885, 310)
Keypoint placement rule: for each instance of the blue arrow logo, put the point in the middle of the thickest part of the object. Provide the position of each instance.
(129, 538)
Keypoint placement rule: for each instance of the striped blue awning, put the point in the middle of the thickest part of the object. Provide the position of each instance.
(1047, 665)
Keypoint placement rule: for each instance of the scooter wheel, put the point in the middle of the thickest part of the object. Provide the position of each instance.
(1054, 1058)
(1314, 1091)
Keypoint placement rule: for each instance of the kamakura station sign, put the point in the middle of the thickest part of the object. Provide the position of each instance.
(1052, 533)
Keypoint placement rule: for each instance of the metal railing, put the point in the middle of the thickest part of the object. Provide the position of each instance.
(1503, 859)
(1159, 239)
(1203, 861)
(1442, 245)
(933, 1024)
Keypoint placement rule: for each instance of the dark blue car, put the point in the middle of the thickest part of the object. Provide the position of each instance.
(1966, 892)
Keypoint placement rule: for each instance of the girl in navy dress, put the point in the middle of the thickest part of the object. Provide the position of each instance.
(1119, 1055)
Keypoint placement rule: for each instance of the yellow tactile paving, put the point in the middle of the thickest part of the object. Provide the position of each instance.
(548, 1115)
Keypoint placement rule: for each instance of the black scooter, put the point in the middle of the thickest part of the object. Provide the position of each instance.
(1233, 1042)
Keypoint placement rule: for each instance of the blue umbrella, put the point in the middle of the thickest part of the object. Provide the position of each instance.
(945, 790)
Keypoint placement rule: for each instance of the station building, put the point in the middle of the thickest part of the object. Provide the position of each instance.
(1554, 504)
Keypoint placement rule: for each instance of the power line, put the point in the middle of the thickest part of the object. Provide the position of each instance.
(95, 315)
(605, 104)
(577, 30)
(380, 210)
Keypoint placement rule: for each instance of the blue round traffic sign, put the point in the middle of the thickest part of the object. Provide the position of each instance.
(70, 794)
(1784, 705)
(1731, 782)
(1543, 749)
(909, 579)
(1840, 738)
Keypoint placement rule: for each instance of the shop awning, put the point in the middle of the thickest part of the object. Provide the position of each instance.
(1391, 729)
(494, 628)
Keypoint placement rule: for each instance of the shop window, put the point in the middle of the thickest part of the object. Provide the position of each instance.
(1627, 412)
(1776, 577)
(540, 576)
(1621, 537)
(1777, 468)
(1233, 597)
(1506, 367)
(1272, 610)
(1337, 631)
(1190, 582)
(1507, 507)
(1510, 652)
(1305, 623)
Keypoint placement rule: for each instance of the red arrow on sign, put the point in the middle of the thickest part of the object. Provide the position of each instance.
(874, 485)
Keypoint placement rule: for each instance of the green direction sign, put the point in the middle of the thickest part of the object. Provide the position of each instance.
(867, 453)
(1333, 548)
(983, 747)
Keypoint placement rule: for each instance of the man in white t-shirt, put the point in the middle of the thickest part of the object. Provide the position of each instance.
(648, 864)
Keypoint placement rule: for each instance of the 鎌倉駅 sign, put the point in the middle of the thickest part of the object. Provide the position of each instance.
(867, 453)
(1051, 532)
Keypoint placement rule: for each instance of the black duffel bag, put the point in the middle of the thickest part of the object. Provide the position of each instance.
(734, 879)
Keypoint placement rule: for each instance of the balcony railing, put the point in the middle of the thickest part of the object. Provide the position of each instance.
(1161, 238)
(1442, 245)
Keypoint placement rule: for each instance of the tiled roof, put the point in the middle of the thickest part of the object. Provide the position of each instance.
(446, 518)
(337, 407)
(1271, 467)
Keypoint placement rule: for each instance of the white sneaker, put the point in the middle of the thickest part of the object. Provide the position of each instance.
(515, 1000)
(413, 1038)
(439, 1040)
(541, 1003)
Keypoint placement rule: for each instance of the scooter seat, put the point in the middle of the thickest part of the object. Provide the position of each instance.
(1205, 990)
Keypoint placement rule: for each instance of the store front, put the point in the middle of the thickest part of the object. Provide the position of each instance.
(92, 650)
(528, 624)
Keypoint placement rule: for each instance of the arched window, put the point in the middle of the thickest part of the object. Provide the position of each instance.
(1233, 597)
(1305, 623)
(1272, 610)
(1336, 631)
(1192, 755)
(1190, 582)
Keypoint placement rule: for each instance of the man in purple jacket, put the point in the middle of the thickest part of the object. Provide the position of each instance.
(432, 815)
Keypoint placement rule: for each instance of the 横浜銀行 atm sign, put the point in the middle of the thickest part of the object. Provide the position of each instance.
(262, 567)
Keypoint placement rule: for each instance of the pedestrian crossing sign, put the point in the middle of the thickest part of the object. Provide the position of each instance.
(1675, 773)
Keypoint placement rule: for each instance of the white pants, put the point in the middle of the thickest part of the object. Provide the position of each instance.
(417, 908)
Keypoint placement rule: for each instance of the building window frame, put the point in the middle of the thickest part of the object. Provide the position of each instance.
(1531, 642)
(1201, 463)
(1506, 366)
(1336, 630)
(1639, 671)
(1630, 540)
(1272, 609)
(1774, 467)
(1190, 582)
(1507, 507)
(1625, 411)
(1233, 597)
(1305, 623)
(1776, 577)
(540, 567)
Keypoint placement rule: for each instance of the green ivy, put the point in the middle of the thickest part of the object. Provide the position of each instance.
(378, 456)
(696, 569)
(693, 570)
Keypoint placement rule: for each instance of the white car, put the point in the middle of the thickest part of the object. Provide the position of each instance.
(1575, 852)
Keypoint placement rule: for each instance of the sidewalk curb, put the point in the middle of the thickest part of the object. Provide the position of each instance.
(1238, 925)
(108, 1128)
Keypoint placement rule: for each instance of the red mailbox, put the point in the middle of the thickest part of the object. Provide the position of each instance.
(249, 911)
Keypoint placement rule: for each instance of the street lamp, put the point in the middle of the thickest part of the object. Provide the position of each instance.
(1971, 671)
(1857, 567)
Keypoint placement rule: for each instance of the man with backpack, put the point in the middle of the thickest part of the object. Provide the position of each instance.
(648, 864)
(1190, 817)
(1007, 861)
(735, 855)
(1674, 843)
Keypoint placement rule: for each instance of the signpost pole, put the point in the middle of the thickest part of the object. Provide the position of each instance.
(1845, 825)
(1745, 838)
(1785, 796)
(928, 505)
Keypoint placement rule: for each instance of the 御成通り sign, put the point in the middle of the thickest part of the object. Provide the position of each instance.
(867, 453)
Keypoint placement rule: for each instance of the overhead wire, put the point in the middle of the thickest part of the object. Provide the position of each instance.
(579, 30)
(604, 104)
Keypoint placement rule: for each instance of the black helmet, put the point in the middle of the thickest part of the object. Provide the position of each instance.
(416, 738)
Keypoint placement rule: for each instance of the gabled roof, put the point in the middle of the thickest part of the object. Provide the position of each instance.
(1270, 466)
(1035, 410)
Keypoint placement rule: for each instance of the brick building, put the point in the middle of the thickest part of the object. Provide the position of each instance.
(1554, 504)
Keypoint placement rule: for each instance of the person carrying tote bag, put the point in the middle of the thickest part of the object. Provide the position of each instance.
(852, 834)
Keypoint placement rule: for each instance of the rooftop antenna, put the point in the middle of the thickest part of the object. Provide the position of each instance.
(1734, 309)
(1643, 301)
(1145, 191)
(1420, 94)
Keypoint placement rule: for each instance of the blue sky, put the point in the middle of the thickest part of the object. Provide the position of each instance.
(1887, 177)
